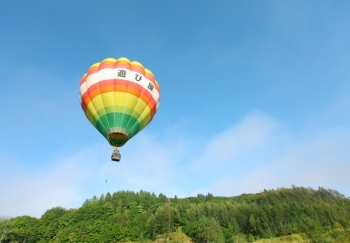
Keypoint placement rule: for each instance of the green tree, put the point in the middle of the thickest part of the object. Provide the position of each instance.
(5, 229)
(209, 230)
(24, 229)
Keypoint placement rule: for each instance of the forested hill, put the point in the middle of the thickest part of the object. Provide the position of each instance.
(142, 216)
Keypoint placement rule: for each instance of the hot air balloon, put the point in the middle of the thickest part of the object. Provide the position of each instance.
(119, 98)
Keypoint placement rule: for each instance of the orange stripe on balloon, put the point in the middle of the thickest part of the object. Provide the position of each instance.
(86, 100)
(92, 69)
(83, 79)
(138, 69)
(119, 86)
(106, 64)
(122, 64)
(152, 106)
(106, 82)
(157, 87)
(135, 86)
(149, 75)
(135, 90)
(106, 89)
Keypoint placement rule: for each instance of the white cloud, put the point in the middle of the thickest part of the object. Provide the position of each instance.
(240, 148)
(147, 164)
(255, 132)
(314, 158)
(257, 153)
(55, 185)
(155, 163)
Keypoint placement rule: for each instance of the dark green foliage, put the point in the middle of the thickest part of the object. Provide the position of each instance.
(142, 216)
(209, 230)
(21, 229)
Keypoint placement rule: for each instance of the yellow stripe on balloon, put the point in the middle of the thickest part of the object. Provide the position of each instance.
(97, 102)
(108, 99)
(91, 114)
(119, 99)
(109, 59)
(137, 64)
(144, 119)
(140, 107)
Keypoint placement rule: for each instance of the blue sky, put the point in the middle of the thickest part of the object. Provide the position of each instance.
(254, 95)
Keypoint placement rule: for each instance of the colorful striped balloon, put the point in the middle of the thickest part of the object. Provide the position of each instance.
(119, 98)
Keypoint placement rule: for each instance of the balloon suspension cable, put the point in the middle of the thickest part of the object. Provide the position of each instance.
(107, 172)
(87, 184)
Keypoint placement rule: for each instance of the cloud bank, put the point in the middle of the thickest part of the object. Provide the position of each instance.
(257, 153)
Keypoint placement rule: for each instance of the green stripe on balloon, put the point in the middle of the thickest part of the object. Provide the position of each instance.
(121, 121)
(117, 109)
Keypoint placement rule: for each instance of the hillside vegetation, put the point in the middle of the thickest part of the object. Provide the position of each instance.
(283, 215)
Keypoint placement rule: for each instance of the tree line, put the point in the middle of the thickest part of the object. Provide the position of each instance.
(142, 216)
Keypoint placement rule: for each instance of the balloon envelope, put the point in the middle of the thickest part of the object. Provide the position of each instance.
(119, 98)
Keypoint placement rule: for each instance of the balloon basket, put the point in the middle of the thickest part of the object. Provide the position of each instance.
(116, 156)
